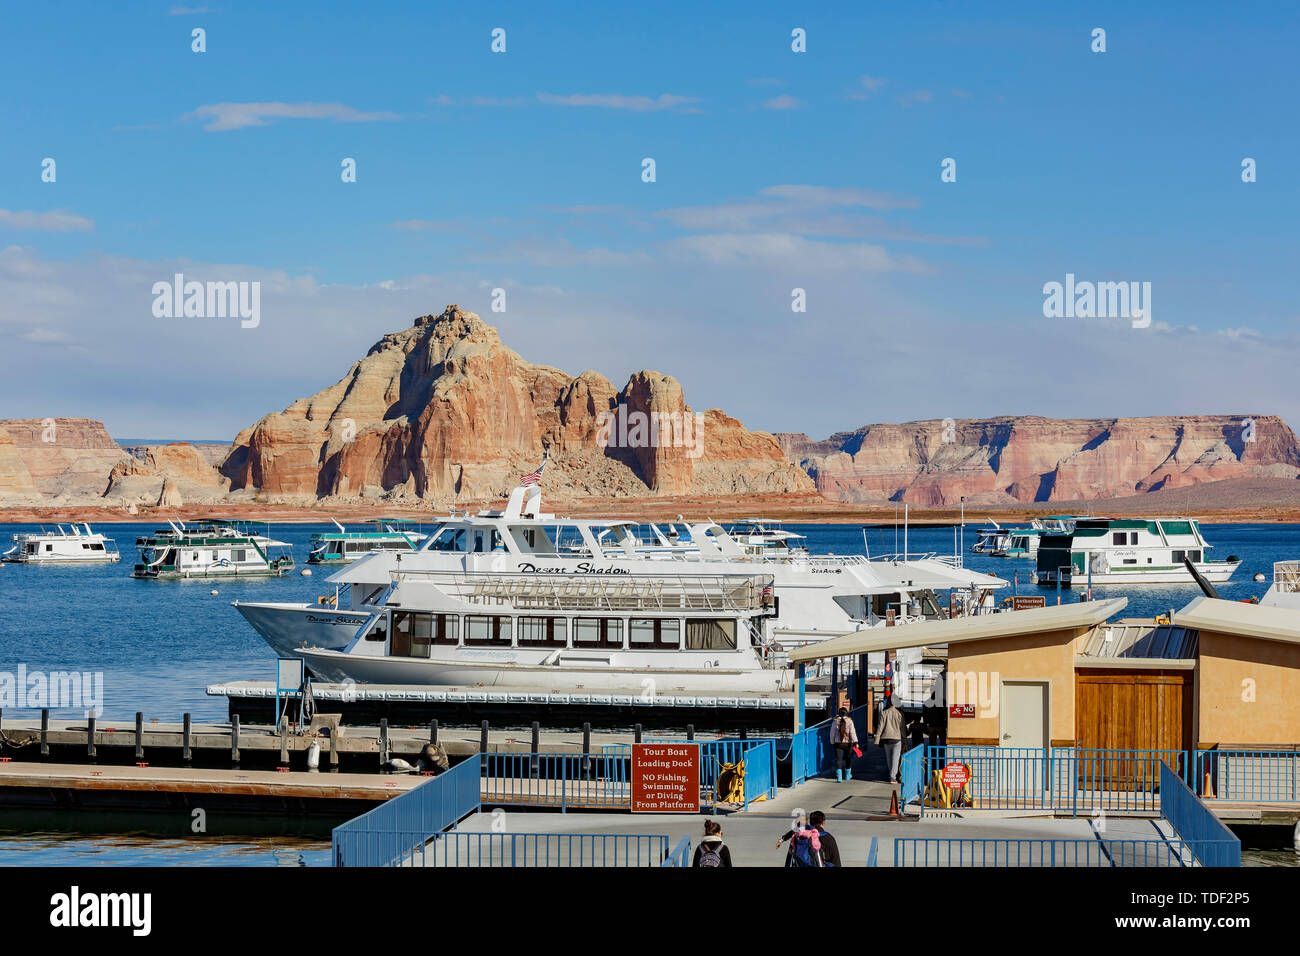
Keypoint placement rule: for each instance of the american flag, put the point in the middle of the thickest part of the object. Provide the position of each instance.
(534, 477)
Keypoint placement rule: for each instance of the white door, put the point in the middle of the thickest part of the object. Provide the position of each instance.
(1024, 714)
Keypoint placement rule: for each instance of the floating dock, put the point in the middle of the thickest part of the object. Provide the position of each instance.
(518, 706)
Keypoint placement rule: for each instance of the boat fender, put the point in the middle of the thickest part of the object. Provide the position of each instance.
(306, 572)
(1295, 837)
(313, 755)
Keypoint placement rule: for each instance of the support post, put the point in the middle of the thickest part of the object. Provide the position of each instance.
(586, 748)
(185, 739)
(690, 731)
(833, 704)
(284, 741)
(638, 733)
(483, 737)
(799, 715)
(139, 736)
(45, 732)
(90, 738)
(383, 741)
(234, 739)
(537, 732)
(433, 731)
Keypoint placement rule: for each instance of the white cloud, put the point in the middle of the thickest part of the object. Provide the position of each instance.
(57, 220)
(219, 117)
(616, 101)
(790, 253)
(783, 102)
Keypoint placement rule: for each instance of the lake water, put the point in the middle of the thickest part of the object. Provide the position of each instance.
(159, 643)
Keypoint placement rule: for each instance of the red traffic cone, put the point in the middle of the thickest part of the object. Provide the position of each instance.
(893, 804)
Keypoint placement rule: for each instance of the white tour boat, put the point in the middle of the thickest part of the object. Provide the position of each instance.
(1129, 551)
(816, 596)
(344, 546)
(70, 545)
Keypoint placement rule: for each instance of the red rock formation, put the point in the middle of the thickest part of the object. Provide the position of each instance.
(445, 410)
(1009, 459)
(15, 479)
(64, 455)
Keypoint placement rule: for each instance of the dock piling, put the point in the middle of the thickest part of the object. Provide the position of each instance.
(383, 741)
(45, 732)
(234, 738)
(139, 736)
(586, 748)
(537, 736)
(284, 741)
(185, 739)
(483, 737)
(90, 738)
(690, 731)
(433, 731)
(744, 734)
(334, 750)
(638, 733)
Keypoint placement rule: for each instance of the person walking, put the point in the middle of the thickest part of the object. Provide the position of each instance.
(889, 734)
(711, 851)
(830, 849)
(844, 738)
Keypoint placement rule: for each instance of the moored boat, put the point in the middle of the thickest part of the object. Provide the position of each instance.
(212, 547)
(70, 545)
(1129, 551)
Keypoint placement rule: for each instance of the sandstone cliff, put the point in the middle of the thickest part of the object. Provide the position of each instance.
(443, 410)
(151, 470)
(64, 456)
(1025, 459)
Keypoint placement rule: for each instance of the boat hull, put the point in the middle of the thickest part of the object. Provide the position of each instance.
(15, 559)
(1216, 573)
(288, 627)
(567, 677)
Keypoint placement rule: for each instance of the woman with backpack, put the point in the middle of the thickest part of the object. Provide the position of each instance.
(712, 851)
(844, 738)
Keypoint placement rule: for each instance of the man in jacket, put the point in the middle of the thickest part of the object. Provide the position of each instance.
(889, 734)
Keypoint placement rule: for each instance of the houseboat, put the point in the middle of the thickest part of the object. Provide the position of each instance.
(1023, 542)
(344, 546)
(210, 548)
(764, 537)
(72, 544)
(1129, 551)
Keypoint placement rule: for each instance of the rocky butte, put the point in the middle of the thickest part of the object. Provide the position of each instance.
(1012, 460)
(444, 410)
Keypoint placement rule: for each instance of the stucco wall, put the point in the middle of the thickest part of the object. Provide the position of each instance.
(1046, 656)
(1233, 670)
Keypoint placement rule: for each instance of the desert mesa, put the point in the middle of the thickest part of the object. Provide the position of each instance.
(443, 414)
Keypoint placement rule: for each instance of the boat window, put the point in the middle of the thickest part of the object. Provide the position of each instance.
(711, 635)
(1178, 556)
(543, 632)
(597, 632)
(1130, 560)
(1194, 555)
(96, 547)
(487, 630)
(414, 633)
(1119, 537)
(238, 555)
(655, 633)
(380, 631)
(49, 547)
(353, 547)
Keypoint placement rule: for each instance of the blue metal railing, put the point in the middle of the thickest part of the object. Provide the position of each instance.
(1247, 776)
(543, 849)
(912, 769)
(681, 855)
(911, 851)
(1212, 843)
(811, 751)
(871, 853)
(758, 755)
(1056, 778)
(394, 830)
(563, 781)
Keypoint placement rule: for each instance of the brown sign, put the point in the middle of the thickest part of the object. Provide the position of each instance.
(1022, 602)
(961, 710)
(665, 778)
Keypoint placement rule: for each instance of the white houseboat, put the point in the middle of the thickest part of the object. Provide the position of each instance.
(210, 548)
(64, 545)
(1129, 551)
(344, 546)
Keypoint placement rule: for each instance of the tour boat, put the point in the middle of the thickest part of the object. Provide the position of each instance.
(63, 545)
(344, 547)
(816, 596)
(1129, 551)
(625, 634)
(212, 547)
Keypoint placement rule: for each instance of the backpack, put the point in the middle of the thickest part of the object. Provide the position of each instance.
(802, 851)
(711, 856)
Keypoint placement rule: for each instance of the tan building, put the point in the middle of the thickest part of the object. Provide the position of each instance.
(1222, 674)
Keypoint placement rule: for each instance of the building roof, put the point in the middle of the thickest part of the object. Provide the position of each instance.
(981, 627)
(1243, 620)
(1136, 644)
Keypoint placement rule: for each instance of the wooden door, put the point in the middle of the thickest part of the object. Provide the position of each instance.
(1130, 711)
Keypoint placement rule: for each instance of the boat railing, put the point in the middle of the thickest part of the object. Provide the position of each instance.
(1286, 576)
(706, 592)
(904, 557)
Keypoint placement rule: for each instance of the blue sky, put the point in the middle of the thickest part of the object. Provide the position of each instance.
(775, 170)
